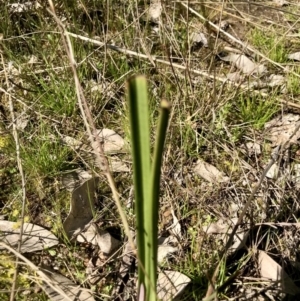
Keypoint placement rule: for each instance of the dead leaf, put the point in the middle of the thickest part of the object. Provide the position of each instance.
(276, 80)
(198, 38)
(253, 148)
(24, 7)
(216, 228)
(72, 142)
(273, 171)
(175, 229)
(224, 25)
(89, 235)
(234, 76)
(270, 269)
(128, 259)
(225, 227)
(294, 56)
(34, 238)
(118, 165)
(92, 271)
(170, 284)
(221, 226)
(107, 245)
(164, 247)
(296, 175)
(244, 64)
(280, 3)
(239, 240)
(73, 179)
(106, 242)
(33, 60)
(112, 142)
(210, 173)
(163, 251)
(22, 121)
(155, 10)
(280, 129)
(82, 206)
(103, 87)
(71, 289)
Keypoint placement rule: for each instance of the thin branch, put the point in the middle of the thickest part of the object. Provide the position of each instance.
(251, 49)
(280, 149)
(42, 275)
(244, 87)
(101, 159)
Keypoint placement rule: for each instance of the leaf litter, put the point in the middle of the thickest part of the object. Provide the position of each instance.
(76, 186)
(198, 39)
(244, 64)
(112, 144)
(271, 270)
(155, 10)
(101, 238)
(81, 208)
(34, 238)
(73, 291)
(210, 173)
(167, 245)
(171, 284)
(267, 267)
(165, 248)
(294, 56)
(282, 129)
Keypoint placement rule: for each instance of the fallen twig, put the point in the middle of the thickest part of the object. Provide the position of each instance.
(178, 66)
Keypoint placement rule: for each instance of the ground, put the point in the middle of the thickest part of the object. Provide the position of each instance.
(212, 120)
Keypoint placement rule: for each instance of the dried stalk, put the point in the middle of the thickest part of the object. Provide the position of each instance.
(21, 172)
(101, 160)
(181, 67)
(280, 149)
(42, 275)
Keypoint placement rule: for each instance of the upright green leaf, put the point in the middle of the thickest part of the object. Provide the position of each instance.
(140, 140)
(146, 181)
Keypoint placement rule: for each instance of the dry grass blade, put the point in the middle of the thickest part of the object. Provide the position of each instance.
(279, 150)
(20, 167)
(238, 41)
(40, 273)
(243, 87)
(89, 123)
(231, 108)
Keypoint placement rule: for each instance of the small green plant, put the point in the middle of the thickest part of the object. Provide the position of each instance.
(256, 111)
(146, 182)
(293, 83)
(270, 44)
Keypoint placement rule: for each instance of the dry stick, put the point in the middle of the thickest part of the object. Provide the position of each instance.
(89, 124)
(175, 65)
(21, 172)
(43, 276)
(280, 149)
(237, 40)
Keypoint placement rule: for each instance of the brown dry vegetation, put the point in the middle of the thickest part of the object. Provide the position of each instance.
(212, 119)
